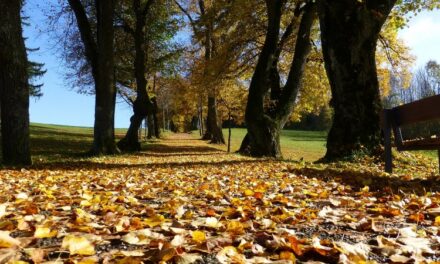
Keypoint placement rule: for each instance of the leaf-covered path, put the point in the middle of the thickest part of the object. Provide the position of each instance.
(184, 201)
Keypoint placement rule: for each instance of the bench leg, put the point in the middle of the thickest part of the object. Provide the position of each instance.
(388, 155)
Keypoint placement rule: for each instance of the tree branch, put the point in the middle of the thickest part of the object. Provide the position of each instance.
(84, 27)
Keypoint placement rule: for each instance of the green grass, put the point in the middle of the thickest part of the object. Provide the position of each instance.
(58, 142)
(295, 144)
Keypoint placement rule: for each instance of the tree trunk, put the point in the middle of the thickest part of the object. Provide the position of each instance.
(245, 146)
(229, 130)
(100, 56)
(264, 125)
(155, 119)
(213, 128)
(260, 128)
(150, 126)
(14, 87)
(105, 100)
(349, 32)
(131, 142)
(213, 131)
(142, 105)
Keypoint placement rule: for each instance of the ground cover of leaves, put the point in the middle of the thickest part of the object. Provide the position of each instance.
(183, 201)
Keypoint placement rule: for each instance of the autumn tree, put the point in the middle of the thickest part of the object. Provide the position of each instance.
(14, 87)
(147, 28)
(98, 46)
(142, 104)
(265, 123)
(201, 15)
(349, 32)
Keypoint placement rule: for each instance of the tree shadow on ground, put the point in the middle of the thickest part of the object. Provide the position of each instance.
(84, 164)
(157, 148)
(358, 180)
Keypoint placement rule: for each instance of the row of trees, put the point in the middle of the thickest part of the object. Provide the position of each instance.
(122, 47)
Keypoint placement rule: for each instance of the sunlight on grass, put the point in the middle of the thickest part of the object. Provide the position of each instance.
(295, 144)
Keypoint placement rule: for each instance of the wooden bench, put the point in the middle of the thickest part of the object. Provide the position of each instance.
(419, 111)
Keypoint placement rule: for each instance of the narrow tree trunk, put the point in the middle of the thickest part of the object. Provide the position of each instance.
(213, 131)
(145, 128)
(349, 32)
(201, 118)
(163, 119)
(150, 126)
(14, 87)
(229, 131)
(216, 132)
(155, 119)
(142, 105)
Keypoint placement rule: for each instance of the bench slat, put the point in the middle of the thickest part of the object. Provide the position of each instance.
(418, 111)
(421, 144)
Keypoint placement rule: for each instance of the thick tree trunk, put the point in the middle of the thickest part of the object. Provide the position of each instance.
(349, 32)
(100, 56)
(265, 125)
(14, 87)
(245, 147)
(262, 131)
(105, 100)
(131, 140)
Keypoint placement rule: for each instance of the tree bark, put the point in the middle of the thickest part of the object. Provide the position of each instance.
(142, 106)
(349, 32)
(264, 125)
(14, 87)
(99, 53)
(213, 131)
(155, 119)
(262, 130)
(150, 126)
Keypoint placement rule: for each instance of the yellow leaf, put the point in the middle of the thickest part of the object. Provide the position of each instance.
(90, 260)
(78, 245)
(235, 227)
(44, 232)
(155, 220)
(6, 241)
(198, 236)
(248, 192)
(437, 221)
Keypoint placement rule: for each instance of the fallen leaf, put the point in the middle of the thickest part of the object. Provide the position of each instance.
(198, 236)
(78, 245)
(7, 241)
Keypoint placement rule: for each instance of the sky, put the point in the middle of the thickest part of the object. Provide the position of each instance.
(423, 36)
(62, 105)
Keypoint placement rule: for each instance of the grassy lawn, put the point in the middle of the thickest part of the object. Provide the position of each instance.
(295, 144)
(57, 142)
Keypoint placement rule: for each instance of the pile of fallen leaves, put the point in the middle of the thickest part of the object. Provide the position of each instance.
(184, 202)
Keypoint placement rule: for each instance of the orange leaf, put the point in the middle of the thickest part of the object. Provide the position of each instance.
(287, 255)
